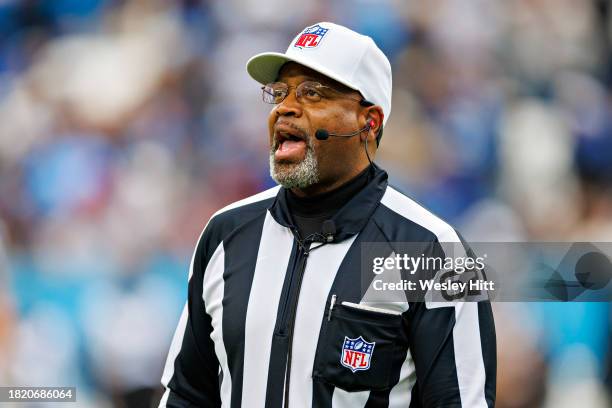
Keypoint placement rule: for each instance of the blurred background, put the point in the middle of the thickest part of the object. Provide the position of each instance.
(125, 124)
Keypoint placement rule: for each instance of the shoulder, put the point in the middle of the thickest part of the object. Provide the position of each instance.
(223, 222)
(242, 210)
(254, 204)
(233, 215)
(407, 220)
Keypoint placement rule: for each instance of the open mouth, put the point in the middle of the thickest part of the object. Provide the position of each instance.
(282, 137)
(289, 144)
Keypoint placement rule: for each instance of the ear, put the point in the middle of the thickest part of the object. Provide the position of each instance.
(373, 116)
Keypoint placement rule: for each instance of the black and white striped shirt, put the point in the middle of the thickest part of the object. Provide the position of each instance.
(267, 316)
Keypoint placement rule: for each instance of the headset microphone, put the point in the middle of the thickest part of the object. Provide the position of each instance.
(322, 134)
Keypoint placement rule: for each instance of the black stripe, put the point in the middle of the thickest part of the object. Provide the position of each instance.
(276, 371)
(240, 259)
(433, 351)
(489, 349)
(378, 399)
(350, 283)
(415, 398)
(322, 394)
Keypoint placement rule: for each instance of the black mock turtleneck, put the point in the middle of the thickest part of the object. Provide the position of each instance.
(309, 213)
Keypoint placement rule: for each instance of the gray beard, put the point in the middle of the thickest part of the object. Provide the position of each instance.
(296, 175)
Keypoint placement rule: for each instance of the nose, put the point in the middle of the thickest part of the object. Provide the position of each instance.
(290, 106)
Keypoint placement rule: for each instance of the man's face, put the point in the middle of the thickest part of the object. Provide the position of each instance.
(297, 159)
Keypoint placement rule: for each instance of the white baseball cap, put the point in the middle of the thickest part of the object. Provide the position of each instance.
(337, 52)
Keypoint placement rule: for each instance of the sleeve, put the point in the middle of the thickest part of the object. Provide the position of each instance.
(453, 346)
(191, 373)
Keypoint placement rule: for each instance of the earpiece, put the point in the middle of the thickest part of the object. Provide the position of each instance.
(369, 125)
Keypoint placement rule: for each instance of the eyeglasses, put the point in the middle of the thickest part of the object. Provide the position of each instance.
(306, 92)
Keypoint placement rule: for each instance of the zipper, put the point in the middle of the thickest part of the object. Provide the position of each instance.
(300, 276)
(304, 249)
(281, 329)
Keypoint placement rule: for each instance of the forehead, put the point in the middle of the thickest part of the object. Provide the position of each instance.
(292, 71)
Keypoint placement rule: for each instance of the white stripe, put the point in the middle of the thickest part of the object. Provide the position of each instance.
(401, 393)
(272, 261)
(175, 347)
(413, 211)
(321, 269)
(468, 355)
(469, 361)
(164, 399)
(212, 294)
(342, 399)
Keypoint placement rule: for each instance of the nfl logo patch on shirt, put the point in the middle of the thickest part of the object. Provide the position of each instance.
(311, 37)
(357, 353)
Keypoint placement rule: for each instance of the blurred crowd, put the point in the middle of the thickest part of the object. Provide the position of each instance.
(124, 124)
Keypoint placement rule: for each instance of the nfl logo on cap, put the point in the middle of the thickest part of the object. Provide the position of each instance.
(356, 354)
(311, 37)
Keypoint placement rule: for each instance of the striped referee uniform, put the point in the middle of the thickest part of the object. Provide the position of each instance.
(269, 316)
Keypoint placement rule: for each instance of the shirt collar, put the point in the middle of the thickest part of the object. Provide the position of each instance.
(349, 219)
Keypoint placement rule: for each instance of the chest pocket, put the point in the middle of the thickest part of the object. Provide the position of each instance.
(359, 349)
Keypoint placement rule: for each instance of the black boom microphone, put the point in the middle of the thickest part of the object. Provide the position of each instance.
(322, 134)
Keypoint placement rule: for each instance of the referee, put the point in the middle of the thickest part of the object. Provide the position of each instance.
(277, 315)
